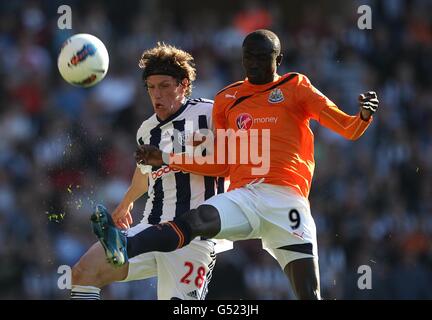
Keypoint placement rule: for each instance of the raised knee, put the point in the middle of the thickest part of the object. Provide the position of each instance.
(203, 221)
(208, 213)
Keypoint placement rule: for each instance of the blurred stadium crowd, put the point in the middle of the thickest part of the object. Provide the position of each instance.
(63, 149)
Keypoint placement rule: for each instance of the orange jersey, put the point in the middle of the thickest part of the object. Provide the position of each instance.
(283, 107)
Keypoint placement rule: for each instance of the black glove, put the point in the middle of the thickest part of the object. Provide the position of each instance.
(148, 155)
(369, 101)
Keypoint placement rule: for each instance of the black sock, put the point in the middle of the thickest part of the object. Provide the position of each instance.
(164, 237)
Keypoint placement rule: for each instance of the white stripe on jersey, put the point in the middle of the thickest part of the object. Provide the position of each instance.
(171, 191)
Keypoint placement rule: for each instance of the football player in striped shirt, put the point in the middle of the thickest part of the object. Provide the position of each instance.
(168, 73)
(267, 200)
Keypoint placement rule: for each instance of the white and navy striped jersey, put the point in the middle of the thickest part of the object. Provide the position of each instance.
(172, 192)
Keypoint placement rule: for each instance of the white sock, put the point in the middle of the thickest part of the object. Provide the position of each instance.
(85, 293)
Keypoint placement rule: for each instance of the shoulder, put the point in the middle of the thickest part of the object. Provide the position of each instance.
(297, 82)
(298, 78)
(230, 88)
(201, 101)
(200, 105)
(145, 127)
(228, 95)
(292, 78)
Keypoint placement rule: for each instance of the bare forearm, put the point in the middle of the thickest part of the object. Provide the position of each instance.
(138, 187)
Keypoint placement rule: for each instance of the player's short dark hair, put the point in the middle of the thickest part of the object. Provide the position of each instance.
(168, 60)
(264, 36)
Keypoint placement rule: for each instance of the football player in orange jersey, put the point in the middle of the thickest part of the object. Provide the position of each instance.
(272, 205)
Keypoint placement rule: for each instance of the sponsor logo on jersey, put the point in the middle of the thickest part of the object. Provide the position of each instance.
(193, 294)
(244, 121)
(232, 96)
(266, 120)
(298, 235)
(276, 96)
(162, 171)
(167, 134)
(87, 50)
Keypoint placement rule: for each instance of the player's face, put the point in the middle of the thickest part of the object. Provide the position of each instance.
(259, 62)
(166, 95)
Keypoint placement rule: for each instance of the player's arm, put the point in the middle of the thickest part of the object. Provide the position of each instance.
(350, 127)
(190, 164)
(138, 187)
(151, 155)
(208, 165)
(320, 108)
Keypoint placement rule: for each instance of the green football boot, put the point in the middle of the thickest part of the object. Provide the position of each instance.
(112, 239)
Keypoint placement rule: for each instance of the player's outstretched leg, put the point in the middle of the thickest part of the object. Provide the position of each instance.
(163, 237)
(304, 278)
(112, 239)
(92, 272)
(203, 221)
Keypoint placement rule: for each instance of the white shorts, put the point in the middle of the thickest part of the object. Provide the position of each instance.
(183, 273)
(275, 214)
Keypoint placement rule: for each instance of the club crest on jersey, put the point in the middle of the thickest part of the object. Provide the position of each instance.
(244, 121)
(276, 96)
(182, 137)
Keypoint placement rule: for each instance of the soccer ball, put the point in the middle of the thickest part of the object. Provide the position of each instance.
(83, 60)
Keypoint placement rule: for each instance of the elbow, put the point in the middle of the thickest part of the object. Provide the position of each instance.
(353, 138)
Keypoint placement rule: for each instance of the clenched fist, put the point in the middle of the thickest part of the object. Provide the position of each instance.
(368, 103)
(147, 154)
